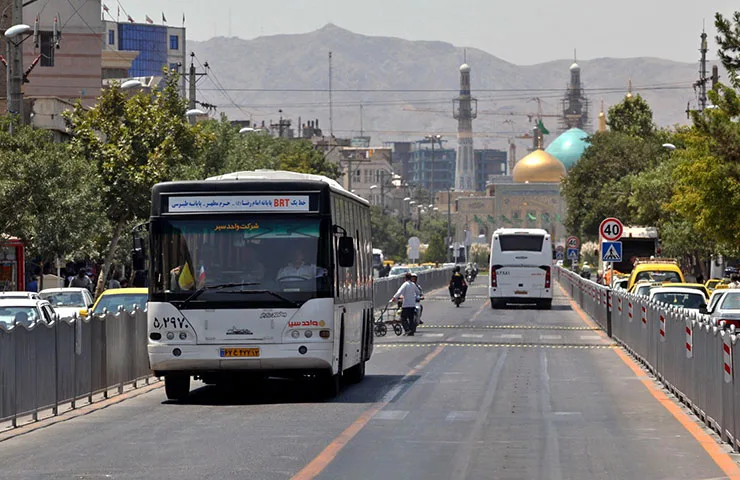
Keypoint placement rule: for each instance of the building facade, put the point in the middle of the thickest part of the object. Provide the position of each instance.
(68, 63)
(489, 163)
(158, 46)
(432, 170)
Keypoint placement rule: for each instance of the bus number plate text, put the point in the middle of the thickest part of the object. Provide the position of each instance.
(240, 352)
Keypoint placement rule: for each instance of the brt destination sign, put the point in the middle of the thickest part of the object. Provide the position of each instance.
(238, 203)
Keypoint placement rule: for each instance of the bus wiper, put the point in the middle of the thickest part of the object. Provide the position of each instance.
(219, 286)
(276, 295)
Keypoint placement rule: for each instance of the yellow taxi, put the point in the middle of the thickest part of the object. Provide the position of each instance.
(113, 298)
(662, 270)
(714, 283)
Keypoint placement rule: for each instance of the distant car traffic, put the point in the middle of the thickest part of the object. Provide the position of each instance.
(67, 301)
(25, 311)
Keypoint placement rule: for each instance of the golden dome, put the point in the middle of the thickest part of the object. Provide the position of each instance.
(538, 167)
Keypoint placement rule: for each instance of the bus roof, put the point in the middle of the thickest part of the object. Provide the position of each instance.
(640, 232)
(284, 175)
(521, 231)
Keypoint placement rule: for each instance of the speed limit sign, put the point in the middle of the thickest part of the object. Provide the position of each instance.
(611, 229)
(573, 242)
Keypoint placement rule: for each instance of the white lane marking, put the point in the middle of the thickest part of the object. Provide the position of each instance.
(461, 415)
(551, 337)
(472, 335)
(590, 337)
(436, 335)
(511, 335)
(391, 415)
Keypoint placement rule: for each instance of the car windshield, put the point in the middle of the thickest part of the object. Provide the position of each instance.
(662, 276)
(288, 256)
(686, 300)
(643, 290)
(127, 300)
(65, 299)
(10, 316)
(731, 301)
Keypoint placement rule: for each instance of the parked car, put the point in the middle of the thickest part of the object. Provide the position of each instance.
(688, 298)
(25, 311)
(31, 295)
(725, 308)
(68, 301)
(113, 298)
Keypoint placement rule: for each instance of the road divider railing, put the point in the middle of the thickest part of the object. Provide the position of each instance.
(51, 368)
(690, 353)
(385, 288)
(67, 363)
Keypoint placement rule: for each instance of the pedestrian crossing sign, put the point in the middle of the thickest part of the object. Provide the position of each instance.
(611, 251)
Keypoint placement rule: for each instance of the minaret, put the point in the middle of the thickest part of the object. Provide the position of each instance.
(575, 104)
(465, 109)
(602, 118)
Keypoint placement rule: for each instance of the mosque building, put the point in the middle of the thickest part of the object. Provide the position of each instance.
(531, 196)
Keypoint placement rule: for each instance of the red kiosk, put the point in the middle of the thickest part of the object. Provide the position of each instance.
(12, 264)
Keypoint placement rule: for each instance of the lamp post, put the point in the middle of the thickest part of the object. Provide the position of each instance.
(14, 37)
(449, 222)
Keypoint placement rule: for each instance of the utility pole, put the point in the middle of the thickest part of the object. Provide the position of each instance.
(14, 74)
(193, 79)
(331, 104)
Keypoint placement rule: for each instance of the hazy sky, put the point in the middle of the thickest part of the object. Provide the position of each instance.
(522, 32)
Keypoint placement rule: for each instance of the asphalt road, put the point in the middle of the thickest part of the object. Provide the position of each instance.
(476, 394)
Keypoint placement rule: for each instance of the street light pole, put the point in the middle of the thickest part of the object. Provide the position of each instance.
(449, 223)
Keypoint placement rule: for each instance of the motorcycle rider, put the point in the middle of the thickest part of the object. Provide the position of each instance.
(457, 281)
(419, 297)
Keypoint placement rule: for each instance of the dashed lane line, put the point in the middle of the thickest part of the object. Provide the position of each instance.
(496, 345)
(509, 327)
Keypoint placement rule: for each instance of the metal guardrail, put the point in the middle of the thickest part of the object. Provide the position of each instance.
(70, 361)
(693, 357)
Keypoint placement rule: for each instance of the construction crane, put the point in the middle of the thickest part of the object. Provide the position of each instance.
(530, 116)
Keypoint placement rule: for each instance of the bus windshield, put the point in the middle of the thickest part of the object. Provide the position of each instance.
(258, 255)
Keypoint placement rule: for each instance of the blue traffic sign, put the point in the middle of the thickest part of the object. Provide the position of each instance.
(573, 253)
(611, 251)
(559, 256)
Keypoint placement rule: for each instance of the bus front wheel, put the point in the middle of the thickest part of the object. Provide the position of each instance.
(176, 386)
(356, 373)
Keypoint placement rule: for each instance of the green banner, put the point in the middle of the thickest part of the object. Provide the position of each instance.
(532, 217)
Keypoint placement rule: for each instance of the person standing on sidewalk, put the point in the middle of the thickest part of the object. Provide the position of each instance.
(408, 292)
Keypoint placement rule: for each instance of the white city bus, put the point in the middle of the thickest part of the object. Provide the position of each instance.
(258, 274)
(521, 267)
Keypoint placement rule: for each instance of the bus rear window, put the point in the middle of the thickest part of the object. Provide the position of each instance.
(521, 243)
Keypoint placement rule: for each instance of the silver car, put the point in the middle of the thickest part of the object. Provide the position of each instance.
(25, 311)
(724, 307)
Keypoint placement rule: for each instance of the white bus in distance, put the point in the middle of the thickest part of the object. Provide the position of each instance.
(521, 267)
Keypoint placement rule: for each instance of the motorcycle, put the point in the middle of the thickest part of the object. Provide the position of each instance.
(470, 277)
(457, 297)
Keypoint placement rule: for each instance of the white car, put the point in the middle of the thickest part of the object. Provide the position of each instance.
(690, 299)
(31, 295)
(68, 301)
(25, 311)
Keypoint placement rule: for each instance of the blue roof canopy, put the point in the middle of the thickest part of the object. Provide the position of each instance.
(569, 147)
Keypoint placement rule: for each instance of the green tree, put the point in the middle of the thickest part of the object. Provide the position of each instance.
(632, 116)
(599, 185)
(46, 195)
(436, 250)
(387, 234)
(133, 143)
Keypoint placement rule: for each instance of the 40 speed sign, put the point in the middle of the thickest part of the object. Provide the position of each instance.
(611, 229)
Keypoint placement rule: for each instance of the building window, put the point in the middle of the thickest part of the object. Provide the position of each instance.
(111, 37)
(174, 42)
(47, 49)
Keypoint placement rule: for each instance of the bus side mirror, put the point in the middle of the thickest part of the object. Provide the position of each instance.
(138, 254)
(346, 252)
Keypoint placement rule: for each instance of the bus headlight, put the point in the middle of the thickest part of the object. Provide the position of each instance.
(295, 334)
(324, 333)
(308, 333)
(170, 335)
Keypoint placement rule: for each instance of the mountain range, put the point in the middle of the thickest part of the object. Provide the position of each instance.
(395, 89)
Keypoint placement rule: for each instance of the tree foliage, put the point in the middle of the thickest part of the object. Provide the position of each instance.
(632, 116)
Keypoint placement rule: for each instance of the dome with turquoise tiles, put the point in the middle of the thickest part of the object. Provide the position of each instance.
(569, 147)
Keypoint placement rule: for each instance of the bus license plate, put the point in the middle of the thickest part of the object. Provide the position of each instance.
(240, 352)
(520, 292)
